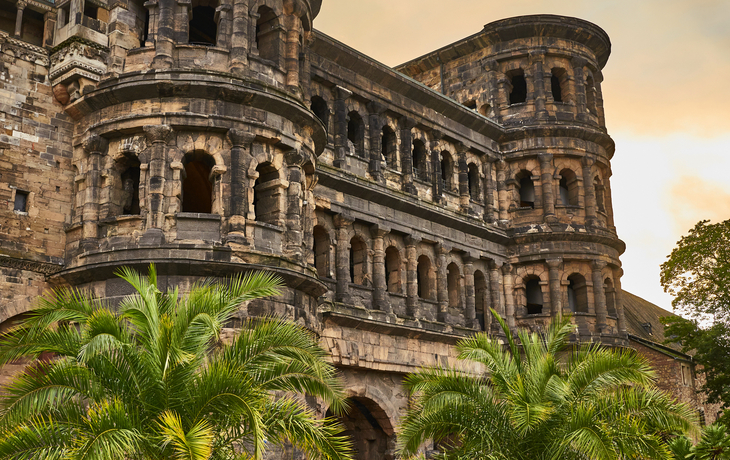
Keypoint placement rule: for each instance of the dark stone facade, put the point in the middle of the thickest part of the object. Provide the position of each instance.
(399, 205)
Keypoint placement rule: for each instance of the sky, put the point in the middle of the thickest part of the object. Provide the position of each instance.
(666, 94)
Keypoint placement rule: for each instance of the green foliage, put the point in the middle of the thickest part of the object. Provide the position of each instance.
(697, 273)
(154, 381)
(540, 399)
(713, 445)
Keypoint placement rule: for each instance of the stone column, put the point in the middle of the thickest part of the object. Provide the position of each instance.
(598, 79)
(464, 197)
(94, 147)
(381, 300)
(589, 191)
(294, 232)
(293, 9)
(241, 142)
(546, 181)
(406, 154)
(183, 14)
(493, 77)
(599, 296)
(537, 58)
(224, 20)
(491, 214)
(580, 88)
(438, 183)
(157, 136)
(341, 95)
(342, 257)
(608, 202)
(164, 36)
(470, 312)
(502, 192)
(617, 274)
(413, 303)
(239, 37)
(20, 5)
(556, 297)
(442, 284)
(509, 298)
(495, 287)
(375, 111)
(49, 28)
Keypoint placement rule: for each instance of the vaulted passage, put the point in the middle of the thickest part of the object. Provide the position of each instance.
(370, 430)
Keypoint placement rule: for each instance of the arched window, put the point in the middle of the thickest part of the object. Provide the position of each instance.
(389, 147)
(393, 270)
(321, 251)
(480, 300)
(267, 34)
(267, 194)
(358, 260)
(423, 278)
(568, 188)
(203, 28)
(320, 110)
(518, 91)
(533, 295)
(447, 170)
(598, 187)
(420, 163)
(610, 297)
(197, 186)
(130, 191)
(453, 285)
(356, 134)
(559, 85)
(591, 95)
(577, 293)
(474, 181)
(527, 189)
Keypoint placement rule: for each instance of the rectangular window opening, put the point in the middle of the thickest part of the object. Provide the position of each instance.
(21, 201)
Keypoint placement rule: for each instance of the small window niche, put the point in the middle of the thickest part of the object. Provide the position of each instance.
(518, 92)
(203, 27)
(21, 201)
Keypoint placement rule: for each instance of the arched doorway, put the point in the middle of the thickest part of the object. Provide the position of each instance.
(369, 427)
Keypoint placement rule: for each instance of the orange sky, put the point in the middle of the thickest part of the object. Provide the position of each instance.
(666, 94)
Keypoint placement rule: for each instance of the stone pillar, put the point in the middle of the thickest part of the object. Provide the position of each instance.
(598, 79)
(599, 296)
(537, 58)
(381, 300)
(437, 179)
(617, 274)
(413, 304)
(556, 296)
(342, 257)
(503, 197)
(464, 197)
(239, 37)
(546, 181)
(470, 312)
(491, 214)
(224, 20)
(580, 88)
(294, 232)
(341, 95)
(20, 5)
(442, 284)
(49, 28)
(94, 147)
(589, 191)
(493, 77)
(157, 136)
(495, 287)
(164, 36)
(406, 154)
(305, 68)
(608, 202)
(241, 142)
(293, 10)
(375, 111)
(509, 298)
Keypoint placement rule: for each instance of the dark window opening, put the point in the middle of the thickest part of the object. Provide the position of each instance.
(203, 28)
(266, 194)
(591, 95)
(419, 160)
(568, 188)
(130, 191)
(527, 190)
(389, 147)
(321, 111)
(473, 181)
(556, 90)
(423, 277)
(356, 134)
(518, 93)
(577, 293)
(447, 171)
(267, 34)
(21, 201)
(91, 10)
(146, 29)
(453, 285)
(366, 424)
(358, 254)
(533, 296)
(599, 194)
(610, 293)
(392, 270)
(65, 14)
(197, 186)
(480, 292)
(321, 251)
(471, 105)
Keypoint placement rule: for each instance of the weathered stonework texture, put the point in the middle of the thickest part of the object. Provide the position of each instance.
(211, 138)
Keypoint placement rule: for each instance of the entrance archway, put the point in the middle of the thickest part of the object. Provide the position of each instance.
(371, 432)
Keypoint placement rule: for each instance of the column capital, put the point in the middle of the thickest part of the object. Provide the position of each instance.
(554, 264)
(469, 258)
(295, 157)
(599, 265)
(462, 148)
(538, 55)
(442, 249)
(545, 158)
(342, 93)
(343, 220)
(435, 135)
(407, 123)
(379, 230)
(376, 108)
(240, 137)
(20, 4)
(492, 264)
(507, 268)
(588, 161)
(578, 62)
(491, 65)
(95, 144)
(500, 164)
(157, 133)
(413, 240)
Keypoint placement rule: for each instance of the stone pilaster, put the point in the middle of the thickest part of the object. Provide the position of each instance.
(599, 296)
(438, 183)
(239, 37)
(617, 274)
(442, 282)
(413, 303)
(406, 153)
(294, 232)
(493, 77)
(578, 64)
(589, 191)
(537, 58)
(341, 96)
(224, 20)
(157, 136)
(556, 296)
(503, 197)
(509, 298)
(546, 181)
(49, 28)
(95, 146)
(241, 142)
(491, 213)
(464, 197)
(495, 288)
(293, 24)
(342, 257)
(470, 312)
(381, 300)
(164, 37)
(375, 113)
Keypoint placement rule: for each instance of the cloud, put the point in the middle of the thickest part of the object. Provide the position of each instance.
(693, 198)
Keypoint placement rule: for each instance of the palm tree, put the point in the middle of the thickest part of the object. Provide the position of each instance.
(536, 401)
(714, 444)
(153, 380)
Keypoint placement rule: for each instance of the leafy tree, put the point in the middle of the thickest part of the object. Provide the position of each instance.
(713, 445)
(542, 400)
(697, 274)
(154, 381)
